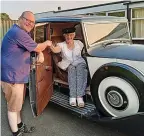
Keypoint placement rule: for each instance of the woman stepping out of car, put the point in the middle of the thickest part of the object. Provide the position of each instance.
(73, 62)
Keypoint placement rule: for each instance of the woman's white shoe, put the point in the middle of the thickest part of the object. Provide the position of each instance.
(80, 102)
(72, 101)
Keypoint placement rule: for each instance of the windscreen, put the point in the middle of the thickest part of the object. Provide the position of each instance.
(98, 32)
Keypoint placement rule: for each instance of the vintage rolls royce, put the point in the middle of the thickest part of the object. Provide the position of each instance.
(115, 87)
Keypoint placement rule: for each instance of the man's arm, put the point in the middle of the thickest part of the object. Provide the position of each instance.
(41, 46)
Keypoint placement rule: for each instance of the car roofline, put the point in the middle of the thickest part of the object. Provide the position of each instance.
(81, 19)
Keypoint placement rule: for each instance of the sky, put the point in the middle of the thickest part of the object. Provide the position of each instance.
(15, 8)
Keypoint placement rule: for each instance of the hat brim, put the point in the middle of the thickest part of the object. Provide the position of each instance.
(68, 30)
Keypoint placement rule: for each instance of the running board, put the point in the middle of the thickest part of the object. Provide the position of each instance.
(63, 100)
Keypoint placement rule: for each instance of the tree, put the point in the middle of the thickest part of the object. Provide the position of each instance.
(4, 16)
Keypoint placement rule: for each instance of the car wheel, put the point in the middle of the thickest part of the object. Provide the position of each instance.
(117, 97)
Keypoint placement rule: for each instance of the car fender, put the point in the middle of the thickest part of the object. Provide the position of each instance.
(124, 67)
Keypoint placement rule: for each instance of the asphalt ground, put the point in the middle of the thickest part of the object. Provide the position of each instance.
(56, 121)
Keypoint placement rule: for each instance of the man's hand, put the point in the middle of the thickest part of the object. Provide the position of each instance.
(48, 43)
(41, 46)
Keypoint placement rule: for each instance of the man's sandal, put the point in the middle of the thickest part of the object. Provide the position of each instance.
(26, 129)
(19, 133)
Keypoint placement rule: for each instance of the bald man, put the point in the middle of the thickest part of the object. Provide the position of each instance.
(15, 67)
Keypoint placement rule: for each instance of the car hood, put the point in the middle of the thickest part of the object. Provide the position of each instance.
(133, 52)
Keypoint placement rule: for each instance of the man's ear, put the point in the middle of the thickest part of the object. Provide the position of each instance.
(19, 18)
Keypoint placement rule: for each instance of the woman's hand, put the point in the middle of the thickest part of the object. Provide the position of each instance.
(48, 43)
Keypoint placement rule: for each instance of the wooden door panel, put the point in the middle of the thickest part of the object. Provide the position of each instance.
(44, 82)
(43, 99)
(41, 81)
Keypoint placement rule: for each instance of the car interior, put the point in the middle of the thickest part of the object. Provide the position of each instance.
(60, 76)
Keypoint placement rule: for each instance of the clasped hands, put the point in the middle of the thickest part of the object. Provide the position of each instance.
(48, 43)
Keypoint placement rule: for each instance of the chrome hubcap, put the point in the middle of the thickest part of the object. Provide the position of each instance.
(114, 98)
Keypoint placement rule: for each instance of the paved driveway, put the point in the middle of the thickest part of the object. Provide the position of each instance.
(56, 122)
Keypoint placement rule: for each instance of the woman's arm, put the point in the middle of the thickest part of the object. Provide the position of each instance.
(55, 49)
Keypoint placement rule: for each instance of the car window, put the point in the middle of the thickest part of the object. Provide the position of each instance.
(98, 32)
(40, 34)
(78, 32)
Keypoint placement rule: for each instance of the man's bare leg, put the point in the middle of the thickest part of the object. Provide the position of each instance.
(12, 118)
(19, 117)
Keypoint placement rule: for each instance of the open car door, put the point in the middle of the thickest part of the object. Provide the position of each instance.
(41, 82)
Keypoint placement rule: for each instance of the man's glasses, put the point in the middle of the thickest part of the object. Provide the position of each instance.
(32, 23)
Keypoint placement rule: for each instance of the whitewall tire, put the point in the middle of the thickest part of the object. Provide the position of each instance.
(118, 97)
